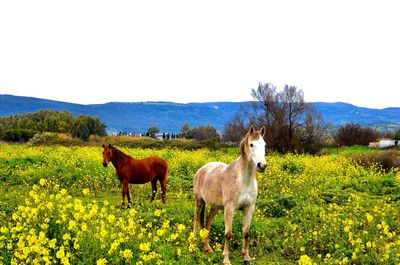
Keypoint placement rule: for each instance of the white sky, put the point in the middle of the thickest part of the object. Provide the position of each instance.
(195, 51)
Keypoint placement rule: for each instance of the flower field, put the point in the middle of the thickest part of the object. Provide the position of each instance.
(57, 205)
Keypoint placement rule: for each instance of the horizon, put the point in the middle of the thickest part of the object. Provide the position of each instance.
(184, 103)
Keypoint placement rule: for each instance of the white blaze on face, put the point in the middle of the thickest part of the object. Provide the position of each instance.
(257, 151)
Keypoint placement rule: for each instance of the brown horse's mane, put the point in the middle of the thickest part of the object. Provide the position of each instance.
(118, 155)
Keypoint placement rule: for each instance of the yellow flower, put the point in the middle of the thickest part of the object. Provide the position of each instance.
(76, 244)
(203, 233)
(42, 182)
(66, 237)
(305, 260)
(65, 261)
(71, 224)
(52, 243)
(160, 232)
(113, 247)
(157, 212)
(181, 227)
(218, 247)
(60, 253)
(101, 262)
(111, 218)
(369, 217)
(192, 243)
(145, 247)
(127, 253)
(85, 191)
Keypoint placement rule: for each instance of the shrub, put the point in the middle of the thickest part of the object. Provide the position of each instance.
(387, 160)
(48, 138)
(17, 135)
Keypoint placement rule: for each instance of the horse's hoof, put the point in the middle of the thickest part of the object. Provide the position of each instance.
(129, 206)
(246, 262)
(209, 250)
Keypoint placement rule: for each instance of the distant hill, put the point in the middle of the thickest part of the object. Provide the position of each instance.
(169, 116)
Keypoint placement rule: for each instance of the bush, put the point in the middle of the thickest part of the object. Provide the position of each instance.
(17, 135)
(387, 160)
(354, 134)
(48, 138)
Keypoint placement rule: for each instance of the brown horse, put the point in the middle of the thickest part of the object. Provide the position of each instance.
(230, 187)
(137, 171)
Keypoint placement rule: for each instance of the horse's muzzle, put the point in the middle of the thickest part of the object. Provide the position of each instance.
(260, 167)
(104, 164)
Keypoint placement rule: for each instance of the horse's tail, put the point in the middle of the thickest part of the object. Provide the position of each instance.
(199, 213)
(202, 219)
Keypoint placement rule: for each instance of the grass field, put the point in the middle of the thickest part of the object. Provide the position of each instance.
(57, 205)
(356, 149)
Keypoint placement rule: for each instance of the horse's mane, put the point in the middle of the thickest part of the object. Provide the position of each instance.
(119, 155)
(243, 147)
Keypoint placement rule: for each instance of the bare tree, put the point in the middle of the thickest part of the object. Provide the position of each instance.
(238, 125)
(353, 134)
(291, 123)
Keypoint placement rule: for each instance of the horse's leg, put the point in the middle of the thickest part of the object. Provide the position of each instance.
(199, 206)
(247, 215)
(153, 189)
(209, 219)
(228, 217)
(124, 191)
(163, 185)
(129, 196)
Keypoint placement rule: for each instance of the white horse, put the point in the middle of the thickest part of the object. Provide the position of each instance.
(231, 187)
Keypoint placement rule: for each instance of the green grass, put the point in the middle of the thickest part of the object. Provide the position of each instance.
(356, 149)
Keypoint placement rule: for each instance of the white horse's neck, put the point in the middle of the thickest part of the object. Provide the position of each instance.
(247, 169)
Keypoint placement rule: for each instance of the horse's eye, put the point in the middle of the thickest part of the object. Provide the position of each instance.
(251, 145)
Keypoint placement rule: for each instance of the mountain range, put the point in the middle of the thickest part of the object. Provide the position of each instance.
(169, 116)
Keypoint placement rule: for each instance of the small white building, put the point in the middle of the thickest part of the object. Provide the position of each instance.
(383, 143)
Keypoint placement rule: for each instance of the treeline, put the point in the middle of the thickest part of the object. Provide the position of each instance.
(22, 127)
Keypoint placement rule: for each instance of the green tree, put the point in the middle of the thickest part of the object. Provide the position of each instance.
(51, 121)
(152, 131)
(202, 133)
(84, 126)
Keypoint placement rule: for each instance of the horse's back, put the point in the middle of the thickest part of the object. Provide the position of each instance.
(207, 182)
(159, 165)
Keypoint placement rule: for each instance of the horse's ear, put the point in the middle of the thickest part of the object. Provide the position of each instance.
(109, 145)
(103, 146)
(263, 131)
(252, 130)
